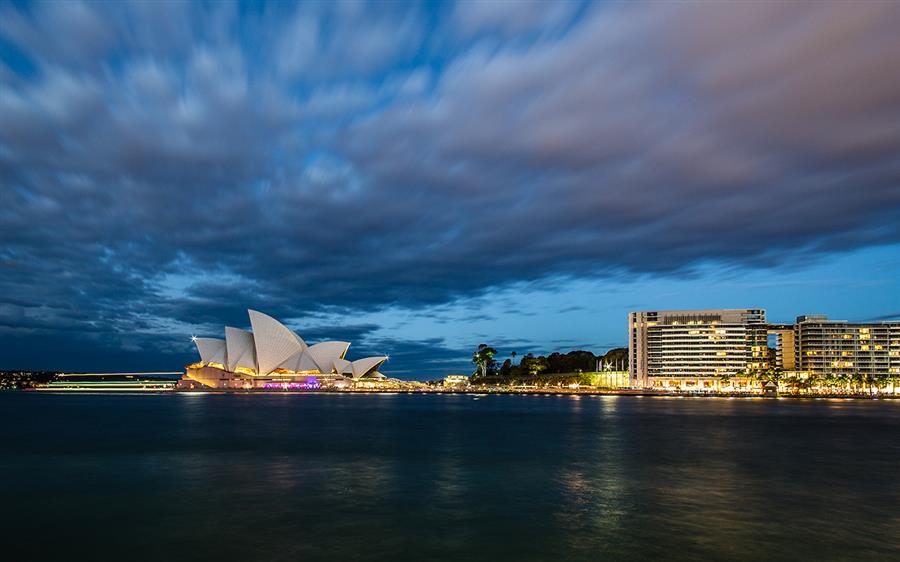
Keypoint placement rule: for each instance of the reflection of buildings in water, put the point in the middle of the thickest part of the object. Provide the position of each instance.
(594, 494)
(609, 405)
(702, 471)
(454, 473)
(450, 482)
(575, 403)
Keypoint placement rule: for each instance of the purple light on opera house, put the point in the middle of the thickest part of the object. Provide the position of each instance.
(310, 384)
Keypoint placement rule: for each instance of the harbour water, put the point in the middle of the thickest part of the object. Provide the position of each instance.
(447, 477)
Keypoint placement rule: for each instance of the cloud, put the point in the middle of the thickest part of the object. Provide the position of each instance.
(325, 41)
(88, 34)
(344, 157)
(512, 18)
(884, 317)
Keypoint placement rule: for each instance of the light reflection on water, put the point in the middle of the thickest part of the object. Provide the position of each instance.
(284, 477)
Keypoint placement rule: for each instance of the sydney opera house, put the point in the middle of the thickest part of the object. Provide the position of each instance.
(274, 357)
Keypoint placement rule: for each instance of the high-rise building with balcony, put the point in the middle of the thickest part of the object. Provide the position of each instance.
(679, 345)
(824, 347)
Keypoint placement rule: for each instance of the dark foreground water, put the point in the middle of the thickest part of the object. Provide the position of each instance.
(399, 477)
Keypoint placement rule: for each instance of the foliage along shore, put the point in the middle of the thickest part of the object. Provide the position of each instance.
(531, 367)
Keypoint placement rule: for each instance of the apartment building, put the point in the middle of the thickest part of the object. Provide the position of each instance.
(824, 347)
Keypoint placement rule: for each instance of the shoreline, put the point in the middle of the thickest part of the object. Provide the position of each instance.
(482, 393)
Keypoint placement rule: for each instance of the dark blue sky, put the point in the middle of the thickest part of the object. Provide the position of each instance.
(421, 178)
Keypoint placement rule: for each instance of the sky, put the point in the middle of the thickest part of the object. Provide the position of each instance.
(421, 178)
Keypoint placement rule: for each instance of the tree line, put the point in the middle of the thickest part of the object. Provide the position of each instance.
(25, 379)
(846, 382)
(529, 365)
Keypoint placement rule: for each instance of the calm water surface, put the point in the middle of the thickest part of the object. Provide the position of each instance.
(399, 477)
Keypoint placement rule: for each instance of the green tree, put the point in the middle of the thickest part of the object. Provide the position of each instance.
(617, 358)
(832, 381)
(484, 360)
(531, 365)
(764, 376)
(874, 382)
(892, 379)
(815, 381)
(857, 381)
(798, 384)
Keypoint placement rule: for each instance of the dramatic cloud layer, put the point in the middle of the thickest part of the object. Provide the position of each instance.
(165, 165)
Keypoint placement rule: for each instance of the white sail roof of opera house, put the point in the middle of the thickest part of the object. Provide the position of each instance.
(211, 350)
(240, 349)
(272, 346)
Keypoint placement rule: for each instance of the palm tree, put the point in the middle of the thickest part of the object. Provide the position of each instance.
(892, 379)
(845, 381)
(875, 382)
(815, 381)
(832, 381)
(857, 380)
(768, 375)
(795, 383)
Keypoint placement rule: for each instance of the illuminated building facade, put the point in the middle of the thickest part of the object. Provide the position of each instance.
(824, 347)
(456, 381)
(785, 348)
(687, 349)
(272, 356)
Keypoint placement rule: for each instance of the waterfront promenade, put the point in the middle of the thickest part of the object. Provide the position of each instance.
(479, 391)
